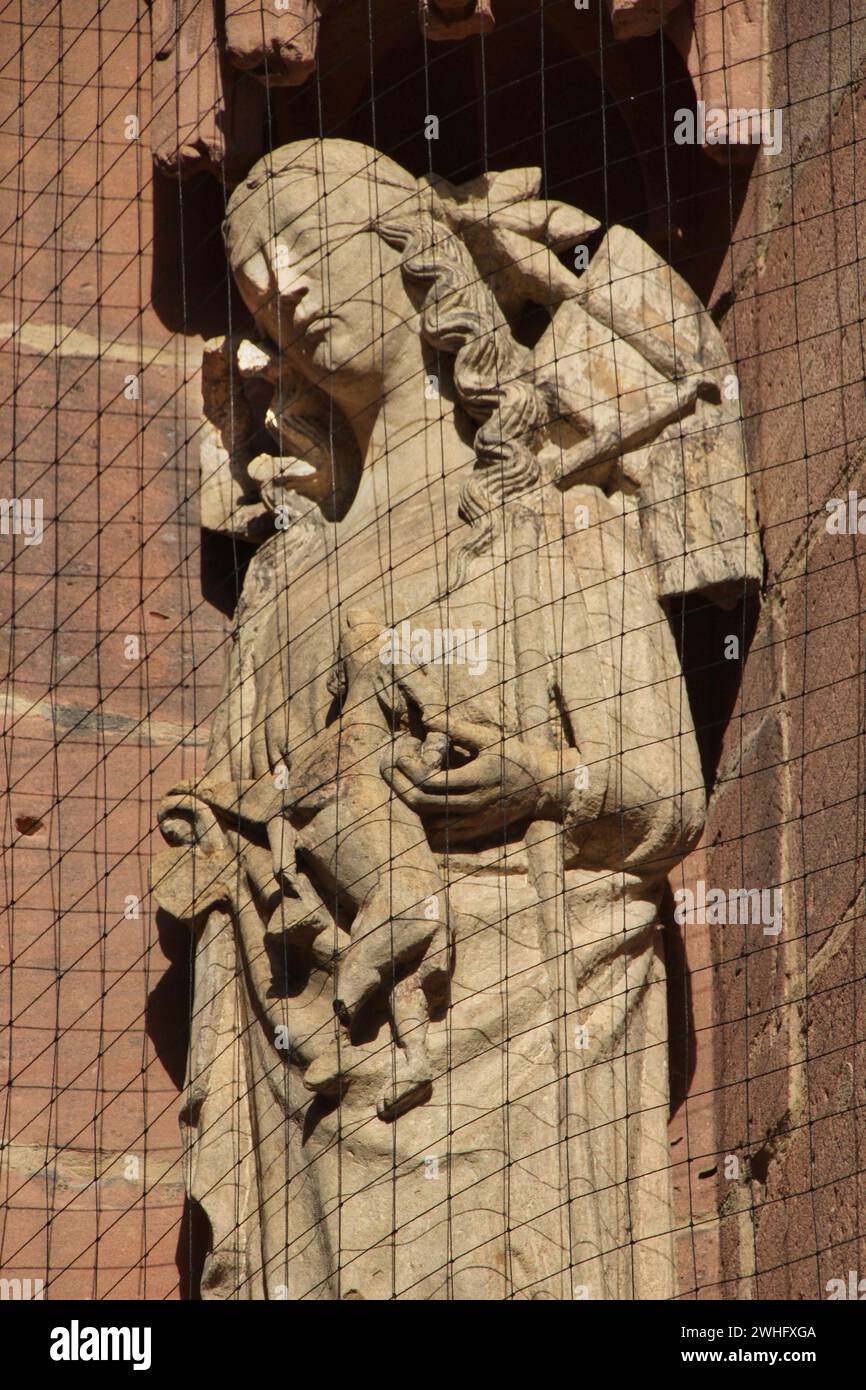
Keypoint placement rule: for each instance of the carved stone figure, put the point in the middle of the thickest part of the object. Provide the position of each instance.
(453, 762)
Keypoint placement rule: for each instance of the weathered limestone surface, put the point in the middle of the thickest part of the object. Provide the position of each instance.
(452, 767)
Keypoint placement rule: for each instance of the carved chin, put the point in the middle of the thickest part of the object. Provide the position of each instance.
(320, 355)
(327, 350)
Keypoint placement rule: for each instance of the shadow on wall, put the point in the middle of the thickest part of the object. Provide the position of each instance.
(167, 1020)
(224, 563)
(191, 289)
(170, 1001)
(701, 631)
(193, 1243)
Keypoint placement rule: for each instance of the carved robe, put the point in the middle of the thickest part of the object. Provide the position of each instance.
(533, 1161)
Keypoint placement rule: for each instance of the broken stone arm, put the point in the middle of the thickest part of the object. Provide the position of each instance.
(669, 403)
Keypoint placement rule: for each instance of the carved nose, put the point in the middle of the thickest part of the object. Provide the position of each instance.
(290, 285)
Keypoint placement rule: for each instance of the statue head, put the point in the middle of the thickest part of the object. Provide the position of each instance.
(305, 247)
(351, 265)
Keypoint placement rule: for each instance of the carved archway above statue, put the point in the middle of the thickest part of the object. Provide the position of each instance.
(221, 68)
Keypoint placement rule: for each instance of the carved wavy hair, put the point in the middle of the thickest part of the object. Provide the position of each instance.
(460, 315)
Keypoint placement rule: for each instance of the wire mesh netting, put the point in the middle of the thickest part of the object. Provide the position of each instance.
(307, 419)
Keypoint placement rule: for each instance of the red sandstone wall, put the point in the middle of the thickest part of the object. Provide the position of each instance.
(789, 1018)
(92, 739)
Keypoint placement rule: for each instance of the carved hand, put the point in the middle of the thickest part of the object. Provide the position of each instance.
(506, 782)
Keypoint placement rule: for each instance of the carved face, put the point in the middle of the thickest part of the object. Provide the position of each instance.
(325, 288)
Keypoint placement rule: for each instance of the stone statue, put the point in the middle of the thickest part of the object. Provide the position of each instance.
(453, 762)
